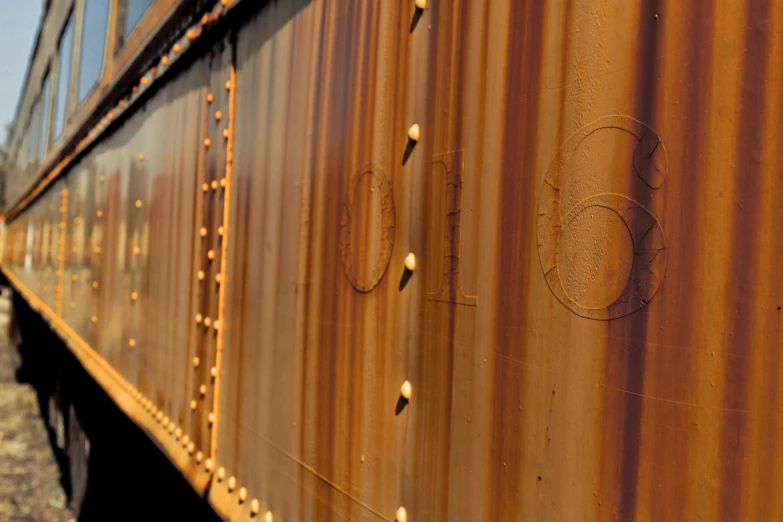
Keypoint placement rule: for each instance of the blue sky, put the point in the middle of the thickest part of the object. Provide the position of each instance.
(18, 26)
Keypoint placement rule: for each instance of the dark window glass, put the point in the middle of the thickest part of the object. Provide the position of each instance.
(96, 17)
(33, 132)
(63, 80)
(134, 9)
(43, 142)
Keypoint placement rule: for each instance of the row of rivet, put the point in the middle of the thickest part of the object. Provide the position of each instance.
(406, 389)
(97, 250)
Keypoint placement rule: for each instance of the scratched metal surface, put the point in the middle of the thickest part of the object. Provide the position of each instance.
(592, 332)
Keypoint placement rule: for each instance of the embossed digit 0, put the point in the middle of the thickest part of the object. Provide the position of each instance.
(375, 210)
(596, 214)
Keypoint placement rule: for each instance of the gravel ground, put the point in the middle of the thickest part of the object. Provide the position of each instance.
(30, 487)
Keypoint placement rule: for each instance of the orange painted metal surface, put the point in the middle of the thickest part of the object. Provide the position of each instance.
(592, 328)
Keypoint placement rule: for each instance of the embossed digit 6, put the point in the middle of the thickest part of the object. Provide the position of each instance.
(582, 232)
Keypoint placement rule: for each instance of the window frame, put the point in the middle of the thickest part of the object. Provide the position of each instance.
(44, 137)
(122, 15)
(34, 131)
(70, 18)
(79, 36)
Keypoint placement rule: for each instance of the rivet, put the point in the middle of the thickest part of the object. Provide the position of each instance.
(207, 142)
(217, 277)
(220, 230)
(95, 284)
(176, 48)
(73, 305)
(199, 457)
(210, 97)
(101, 178)
(225, 3)
(242, 494)
(203, 232)
(138, 203)
(191, 447)
(213, 371)
(228, 85)
(214, 184)
(218, 115)
(164, 60)
(145, 80)
(221, 473)
(410, 262)
(268, 517)
(406, 390)
(421, 4)
(132, 343)
(192, 34)
(414, 132)
(94, 319)
(196, 360)
(153, 70)
(136, 251)
(216, 325)
(99, 213)
(208, 465)
(207, 321)
(223, 182)
(165, 422)
(198, 321)
(74, 277)
(185, 440)
(232, 483)
(205, 187)
(402, 515)
(178, 433)
(225, 133)
(211, 254)
(134, 296)
(122, 103)
(159, 416)
(200, 275)
(193, 404)
(141, 157)
(110, 116)
(211, 417)
(255, 506)
(205, 19)
(135, 90)
(171, 427)
(202, 389)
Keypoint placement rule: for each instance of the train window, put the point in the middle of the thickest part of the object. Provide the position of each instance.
(63, 79)
(43, 142)
(34, 126)
(96, 18)
(134, 9)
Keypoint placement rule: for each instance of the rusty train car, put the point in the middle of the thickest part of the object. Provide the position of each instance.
(419, 260)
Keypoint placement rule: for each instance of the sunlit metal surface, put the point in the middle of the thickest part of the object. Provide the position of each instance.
(588, 327)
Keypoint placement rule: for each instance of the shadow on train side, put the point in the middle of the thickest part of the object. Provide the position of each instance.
(110, 469)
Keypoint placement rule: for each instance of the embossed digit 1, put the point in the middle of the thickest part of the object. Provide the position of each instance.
(450, 289)
(357, 248)
(593, 216)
